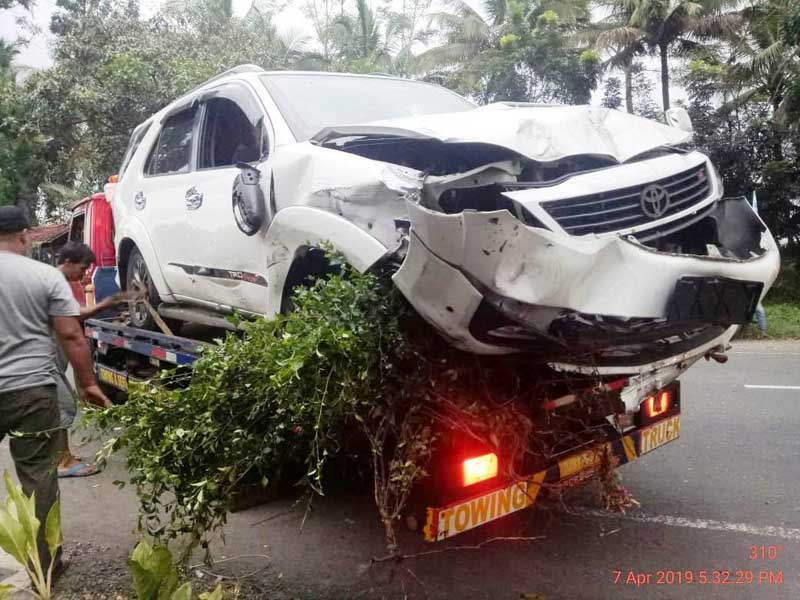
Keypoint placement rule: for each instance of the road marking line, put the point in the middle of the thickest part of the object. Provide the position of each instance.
(768, 531)
(764, 353)
(772, 387)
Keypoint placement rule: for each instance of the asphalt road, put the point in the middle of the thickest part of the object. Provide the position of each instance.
(730, 484)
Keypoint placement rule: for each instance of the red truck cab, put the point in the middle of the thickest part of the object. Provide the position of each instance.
(92, 223)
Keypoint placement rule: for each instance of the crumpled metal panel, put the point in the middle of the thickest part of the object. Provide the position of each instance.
(543, 133)
(604, 276)
(370, 194)
(442, 296)
(651, 376)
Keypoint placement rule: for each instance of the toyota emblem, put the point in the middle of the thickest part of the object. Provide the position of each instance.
(654, 200)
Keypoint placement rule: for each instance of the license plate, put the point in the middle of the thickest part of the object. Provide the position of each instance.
(112, 378)
(659, 434)
(716, 299)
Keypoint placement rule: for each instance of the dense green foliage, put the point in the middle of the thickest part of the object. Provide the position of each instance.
(751, 150)
(23, 156)
(352, 373)
(283, 395)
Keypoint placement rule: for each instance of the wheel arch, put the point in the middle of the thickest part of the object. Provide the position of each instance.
(130, 240)
(298, 229)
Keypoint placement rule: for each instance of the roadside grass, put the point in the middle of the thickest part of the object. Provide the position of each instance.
(783, 322)
(782, 305)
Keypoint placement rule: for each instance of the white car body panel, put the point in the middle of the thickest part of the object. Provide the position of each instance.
(225, 273)
(370, 194)
(164, 216)
(297, 227)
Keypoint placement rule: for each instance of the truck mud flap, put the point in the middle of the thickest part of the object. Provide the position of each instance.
(572, 470)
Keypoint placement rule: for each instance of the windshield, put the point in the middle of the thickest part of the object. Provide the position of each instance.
(310, 102)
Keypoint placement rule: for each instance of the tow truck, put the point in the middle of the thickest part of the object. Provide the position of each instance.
(471, 487)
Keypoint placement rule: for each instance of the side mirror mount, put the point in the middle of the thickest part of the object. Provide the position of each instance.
(679, 118)
(249, 207)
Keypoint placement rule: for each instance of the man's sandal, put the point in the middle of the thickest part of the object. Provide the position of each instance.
(80, 470)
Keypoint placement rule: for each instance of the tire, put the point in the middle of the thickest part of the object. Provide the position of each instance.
(311, 264)
(137, 277)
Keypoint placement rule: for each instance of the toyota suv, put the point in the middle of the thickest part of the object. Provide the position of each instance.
(593, 238)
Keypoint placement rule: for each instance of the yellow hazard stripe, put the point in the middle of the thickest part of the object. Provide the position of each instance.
(629, 445)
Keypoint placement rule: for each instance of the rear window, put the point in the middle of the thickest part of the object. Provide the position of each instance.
(173, 152)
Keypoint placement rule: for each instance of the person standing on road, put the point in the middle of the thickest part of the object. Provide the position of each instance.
(74, 259)
(35, 302)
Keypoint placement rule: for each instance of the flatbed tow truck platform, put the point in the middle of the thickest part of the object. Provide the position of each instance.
(125, 355)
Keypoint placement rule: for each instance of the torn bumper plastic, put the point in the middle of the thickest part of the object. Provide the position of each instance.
(491, 284)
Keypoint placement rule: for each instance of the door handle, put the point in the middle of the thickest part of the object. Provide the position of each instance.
(194, 199)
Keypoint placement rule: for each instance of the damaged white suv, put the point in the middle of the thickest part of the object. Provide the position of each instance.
(587, 235)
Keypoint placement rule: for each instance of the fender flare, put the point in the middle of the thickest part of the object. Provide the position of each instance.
(135, 233)
(297, 227)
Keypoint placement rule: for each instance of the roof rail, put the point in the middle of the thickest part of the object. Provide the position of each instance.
(234, 71)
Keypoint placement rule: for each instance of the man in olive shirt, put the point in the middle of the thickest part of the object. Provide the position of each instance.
(35, 302)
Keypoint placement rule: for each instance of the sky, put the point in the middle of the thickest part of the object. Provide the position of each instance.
(35, 55)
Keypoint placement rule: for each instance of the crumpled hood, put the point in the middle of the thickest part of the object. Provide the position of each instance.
(542, 133)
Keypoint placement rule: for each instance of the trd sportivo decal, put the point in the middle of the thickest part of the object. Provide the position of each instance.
(222, 274)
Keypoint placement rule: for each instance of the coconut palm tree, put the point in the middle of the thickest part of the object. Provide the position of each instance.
(358, 40)
(664, 27)
(765, 65)
(612, 36)
(366, 40)
(468, 36)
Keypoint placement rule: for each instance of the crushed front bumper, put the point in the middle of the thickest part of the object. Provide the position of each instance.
(490, 284)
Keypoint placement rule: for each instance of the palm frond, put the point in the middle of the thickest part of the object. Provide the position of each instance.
(768, 57)
(496, 9)
(462, 9)
(442, 56)
(619, 37)
(471, 27)
(724, 26)
(623, 58)
(740, 100)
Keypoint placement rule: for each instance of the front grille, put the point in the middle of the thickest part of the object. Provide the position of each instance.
(620, 209)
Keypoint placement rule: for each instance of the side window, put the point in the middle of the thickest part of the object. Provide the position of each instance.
(136, 139)
(76, 228)
(173, 151)
(233, 129)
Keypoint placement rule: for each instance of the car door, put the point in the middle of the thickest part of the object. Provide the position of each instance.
(230, 266)
(160, 197)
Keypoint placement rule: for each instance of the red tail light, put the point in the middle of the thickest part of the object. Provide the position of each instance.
(480, 468)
